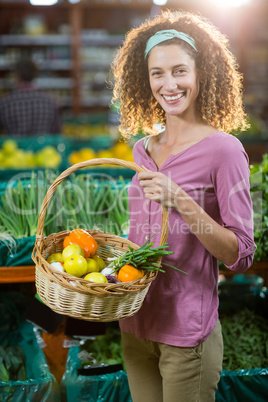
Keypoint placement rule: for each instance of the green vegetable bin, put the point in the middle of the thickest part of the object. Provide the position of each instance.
(243, 385)
(234, 386)
(17, 253)
(40, 385)
(112, 387)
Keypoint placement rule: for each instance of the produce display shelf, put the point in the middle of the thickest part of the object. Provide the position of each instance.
(17, 274)
(257, 267)
(27, 273)
(38, 40)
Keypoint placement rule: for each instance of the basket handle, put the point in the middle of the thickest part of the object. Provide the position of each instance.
(77, 166)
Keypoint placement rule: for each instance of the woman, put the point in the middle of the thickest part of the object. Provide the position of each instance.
(176, 70)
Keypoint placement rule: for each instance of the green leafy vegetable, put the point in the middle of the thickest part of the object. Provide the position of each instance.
(245, 337)
(12, 363)
(3, 371)
(77, 203)
(104, 348)
(259, 195)
(144, 258)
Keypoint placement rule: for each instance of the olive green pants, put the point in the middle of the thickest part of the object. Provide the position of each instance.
(164, 373)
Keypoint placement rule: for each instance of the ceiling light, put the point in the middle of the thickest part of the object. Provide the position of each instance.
(160, 2)
(231, 3)
(43, 2)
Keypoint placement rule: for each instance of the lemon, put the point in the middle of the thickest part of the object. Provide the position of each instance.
(29, 159)
(71, 250)
(76, 265)
(100, 262)
(129, 156)
(2, 157)
(87, 154)
(48, 157)
(49, 150)
(53, 161)
(120, 149)
(92, 265)
(105, 154)
(96, 277)
(9, 161)
(55, 257)
(9, 146)
(75, 158)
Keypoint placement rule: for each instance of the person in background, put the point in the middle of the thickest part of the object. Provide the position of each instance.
(176, 70)
(27, 110)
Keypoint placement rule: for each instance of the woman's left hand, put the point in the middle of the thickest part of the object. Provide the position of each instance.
(159, 187)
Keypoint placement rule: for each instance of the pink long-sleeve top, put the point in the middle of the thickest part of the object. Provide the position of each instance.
(179, 309)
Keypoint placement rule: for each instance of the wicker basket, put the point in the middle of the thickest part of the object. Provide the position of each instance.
(68, 295)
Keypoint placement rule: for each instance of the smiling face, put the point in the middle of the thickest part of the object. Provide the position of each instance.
(173, 79)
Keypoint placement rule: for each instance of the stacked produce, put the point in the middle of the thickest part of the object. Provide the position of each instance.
(13, 307)
(13, 157)
(84, 129)
(84, 203)
(18, 154)
(79, 259)
(103, 349)
(259, 195)
(120, 150)
(80, 202)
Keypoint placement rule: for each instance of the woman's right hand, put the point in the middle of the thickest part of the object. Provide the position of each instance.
(160, 188)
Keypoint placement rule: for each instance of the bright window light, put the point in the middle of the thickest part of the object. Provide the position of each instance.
(43, 2)
(231, 3)
(160, 2)
(74, 1)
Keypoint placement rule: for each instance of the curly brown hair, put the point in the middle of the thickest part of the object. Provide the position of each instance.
(220, 96)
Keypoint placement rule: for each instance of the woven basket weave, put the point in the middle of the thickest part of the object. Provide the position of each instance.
(68, 295)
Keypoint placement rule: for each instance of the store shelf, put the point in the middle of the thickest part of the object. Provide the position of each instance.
(38, 40)
(54, 83)
(48, 65)
(17, 274)
(95, 39)
(43, 83)
(92, 39)
(96, 66)
(96, 55)
(71, 53)
(54, 65)
(104, 102)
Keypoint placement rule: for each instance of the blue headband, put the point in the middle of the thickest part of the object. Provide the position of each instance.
(162, 36)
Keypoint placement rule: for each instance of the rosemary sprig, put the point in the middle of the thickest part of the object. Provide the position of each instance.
(145, 258)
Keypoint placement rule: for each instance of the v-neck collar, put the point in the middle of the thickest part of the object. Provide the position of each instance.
(171, 156)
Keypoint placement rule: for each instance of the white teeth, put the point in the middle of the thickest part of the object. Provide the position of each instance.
(171, 98)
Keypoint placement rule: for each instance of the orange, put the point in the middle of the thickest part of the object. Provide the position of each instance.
(128, 273)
